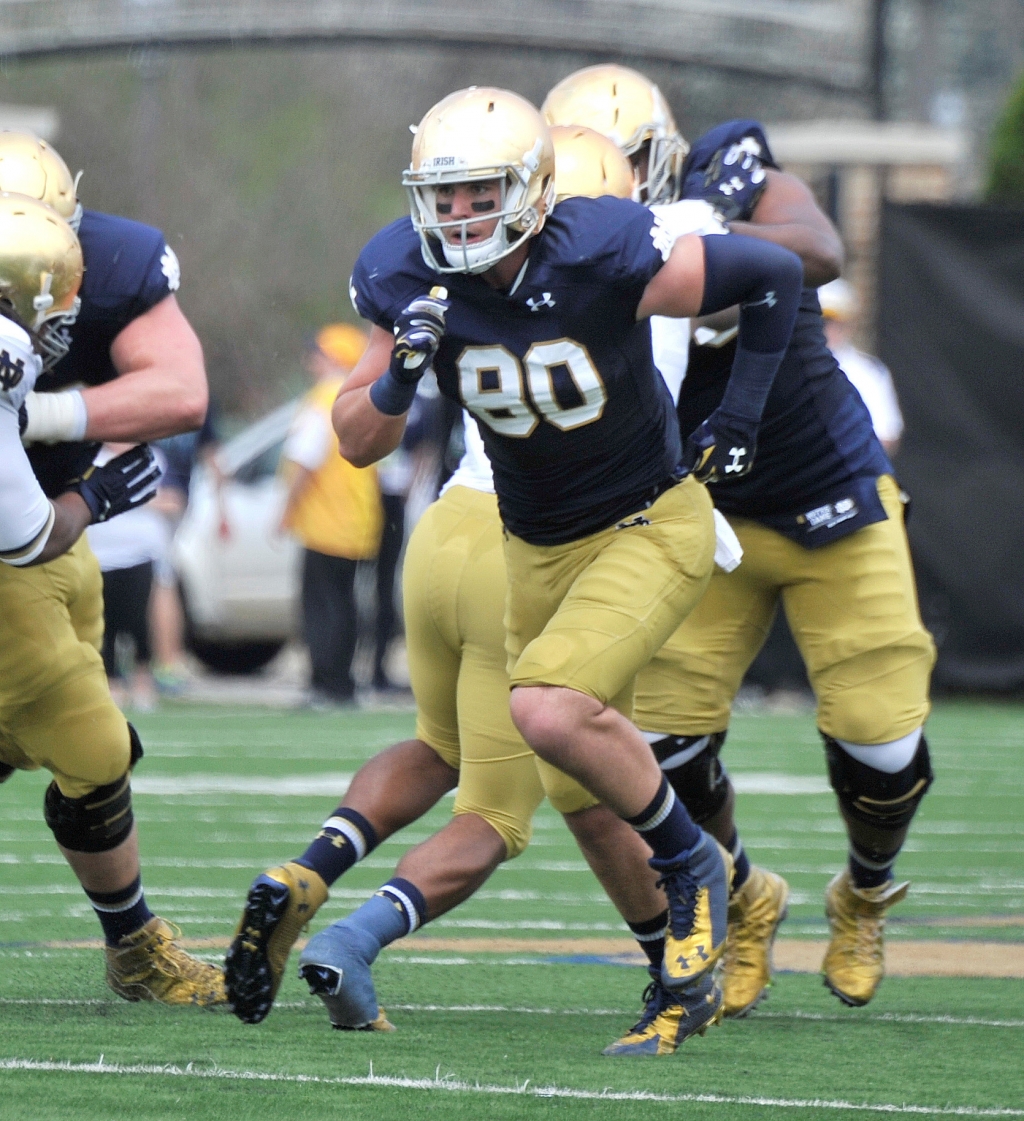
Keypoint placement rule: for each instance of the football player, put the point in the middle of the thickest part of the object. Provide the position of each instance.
(454, 588)
(608, 541)
(141, 370)
(40, 273)
(821, 524)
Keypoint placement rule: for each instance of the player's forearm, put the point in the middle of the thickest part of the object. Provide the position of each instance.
(765, 280)
(820, 253)
(147, 404)
(365, 435)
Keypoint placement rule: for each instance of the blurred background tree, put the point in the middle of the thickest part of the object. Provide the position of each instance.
(1006, 158)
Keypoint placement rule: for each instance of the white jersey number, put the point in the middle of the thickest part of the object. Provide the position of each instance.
(493, 387)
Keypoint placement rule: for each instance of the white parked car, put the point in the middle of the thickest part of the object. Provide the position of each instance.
(239, 578)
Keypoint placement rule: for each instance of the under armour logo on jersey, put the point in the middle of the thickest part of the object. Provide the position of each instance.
(12, 370)
(170, 268)
(737, 457)
(545, 301)
(768, 301)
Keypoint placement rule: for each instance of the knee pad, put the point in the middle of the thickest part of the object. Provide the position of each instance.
(694, 771)
(98, 822)
(877, 798)
(136, 746)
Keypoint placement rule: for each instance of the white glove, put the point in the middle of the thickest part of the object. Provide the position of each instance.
(54, 418)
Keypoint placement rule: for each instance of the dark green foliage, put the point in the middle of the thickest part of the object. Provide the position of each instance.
(1006, 158)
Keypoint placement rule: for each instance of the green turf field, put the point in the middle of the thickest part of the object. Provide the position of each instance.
(224, 792)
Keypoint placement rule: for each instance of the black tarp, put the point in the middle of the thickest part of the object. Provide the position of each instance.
(951, 329)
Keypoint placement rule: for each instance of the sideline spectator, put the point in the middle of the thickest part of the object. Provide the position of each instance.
(334, 510)
(166, 615)
(869, 376)
(129, 548)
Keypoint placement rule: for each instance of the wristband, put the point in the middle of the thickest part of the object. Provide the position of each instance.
(55, 418)
(391, 396)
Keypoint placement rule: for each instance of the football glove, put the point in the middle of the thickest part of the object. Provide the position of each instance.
(418, 333)
(124, 483)
(721, 448)
(735, 179)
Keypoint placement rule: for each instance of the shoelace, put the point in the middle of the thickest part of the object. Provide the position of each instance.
(869, 937)
(656, 999)
(682, 900)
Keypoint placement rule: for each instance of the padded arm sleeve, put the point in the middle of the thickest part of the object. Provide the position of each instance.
(765, 280)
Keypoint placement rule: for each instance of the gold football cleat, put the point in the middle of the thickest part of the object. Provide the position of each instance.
(697, 890)
(855, 960)
(280, 903)
(755, 911)
(149, 965)
(669, 1019)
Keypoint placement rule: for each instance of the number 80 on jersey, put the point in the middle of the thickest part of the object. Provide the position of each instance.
(565, 389)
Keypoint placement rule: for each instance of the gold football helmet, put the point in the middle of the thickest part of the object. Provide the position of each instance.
(589, 165)
(630, 110)
(29, 166)
(473, 135)
(40, 272)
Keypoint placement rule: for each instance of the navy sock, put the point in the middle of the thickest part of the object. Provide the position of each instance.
(651, 936)
(121, 912)
(866, 873)
(396, 910)
(741, 862)
(665, 825)
(344, 840)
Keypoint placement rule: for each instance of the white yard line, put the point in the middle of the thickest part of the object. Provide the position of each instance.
(817, 1017)
(448, 1084)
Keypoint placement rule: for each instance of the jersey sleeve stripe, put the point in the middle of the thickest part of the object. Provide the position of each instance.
(28, 553)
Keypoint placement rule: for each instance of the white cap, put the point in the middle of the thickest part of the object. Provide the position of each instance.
(838, 300)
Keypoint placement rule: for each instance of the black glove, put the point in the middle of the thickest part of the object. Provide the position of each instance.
(721, 448)
(735, 179)
(128, 481)
(418, 333)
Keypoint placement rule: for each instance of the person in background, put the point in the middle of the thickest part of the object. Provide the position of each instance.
(166, 615)
(129, 549)
(869, 376)
(334, 510)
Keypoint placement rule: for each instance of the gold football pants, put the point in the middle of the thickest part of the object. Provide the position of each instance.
(55, 707)
(590, 614)
(453, 585)
(852, 607)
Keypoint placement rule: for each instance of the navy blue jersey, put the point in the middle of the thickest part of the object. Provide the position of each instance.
(575, 419)
(817, 457)
(128, 269)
